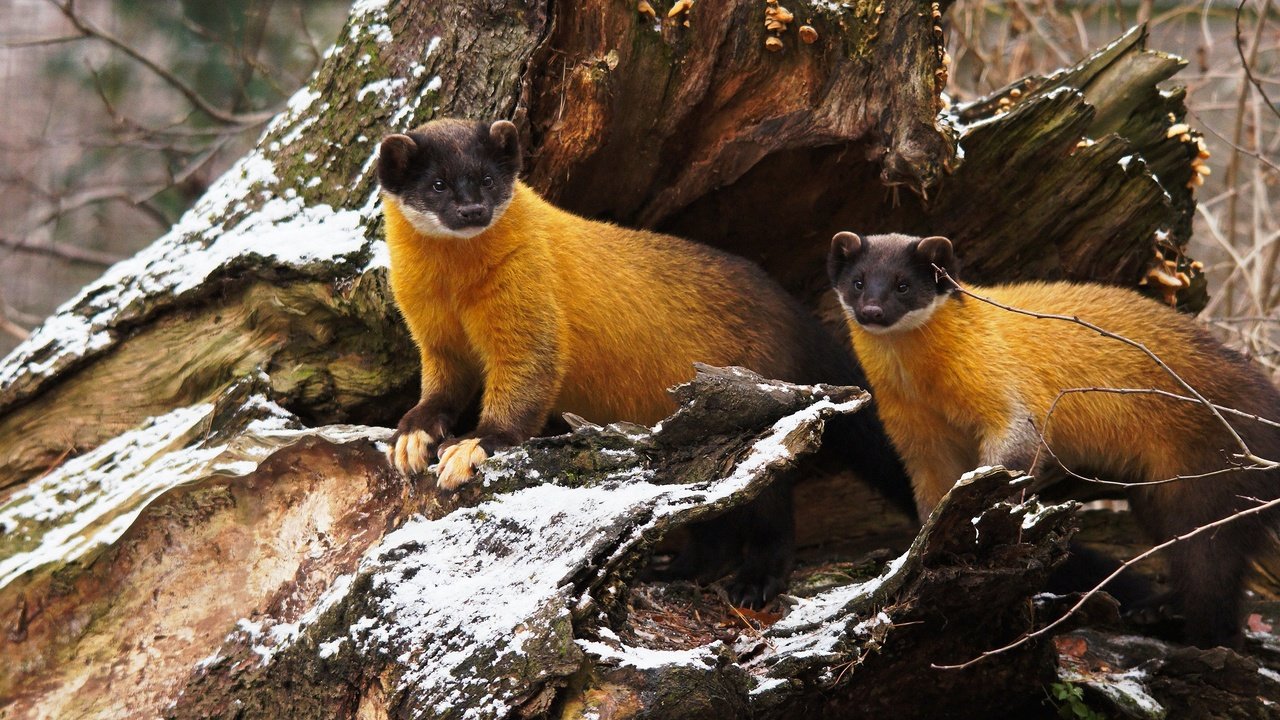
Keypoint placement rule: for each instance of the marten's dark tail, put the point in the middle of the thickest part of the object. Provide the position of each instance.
(1208, 570)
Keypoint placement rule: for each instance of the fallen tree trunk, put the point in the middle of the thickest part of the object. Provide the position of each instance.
(447, 613)
(181, 513)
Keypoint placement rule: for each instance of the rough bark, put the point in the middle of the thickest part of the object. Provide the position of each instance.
(183, 530)
(282, 591)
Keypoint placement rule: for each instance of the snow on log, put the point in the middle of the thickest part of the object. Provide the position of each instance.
(475, 612)
(135, 558)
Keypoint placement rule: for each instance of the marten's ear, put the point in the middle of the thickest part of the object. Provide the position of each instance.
(845, 247)
(506, 140)
(937, 250)
(393, 161)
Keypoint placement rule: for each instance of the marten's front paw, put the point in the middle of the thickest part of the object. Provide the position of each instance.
(416, 438)
(412, 451)
(458, 463)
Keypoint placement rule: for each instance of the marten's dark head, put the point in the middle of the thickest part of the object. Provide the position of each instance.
(452, 178)
(888, 282)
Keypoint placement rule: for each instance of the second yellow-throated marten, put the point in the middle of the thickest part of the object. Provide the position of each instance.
(538, 311)
(960, 383)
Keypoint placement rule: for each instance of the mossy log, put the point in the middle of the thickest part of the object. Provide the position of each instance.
(193, 505)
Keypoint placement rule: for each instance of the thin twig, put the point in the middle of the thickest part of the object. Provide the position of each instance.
(62, 251)
(1253, 53)
(1044, 440)
(68, 11)
(1246, 453)
(1141, 483)
(1255, 155)
(40, 42)
(7, 325)
(1171, 396)
(1123, 566)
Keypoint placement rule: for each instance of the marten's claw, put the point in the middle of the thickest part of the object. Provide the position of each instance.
(458, 463)
(412, 451)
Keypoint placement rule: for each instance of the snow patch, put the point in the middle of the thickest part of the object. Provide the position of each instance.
(385, 89)
(1035, 512)
(381, 33)
(769, 684)
(331, 648)
(370, 11)
(284, 634)
(285, 230)
(90, 500)
(1123, 688)
(649, 659)
(299, 103)
(810, 630)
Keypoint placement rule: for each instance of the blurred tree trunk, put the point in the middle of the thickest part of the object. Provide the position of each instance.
(184, 524)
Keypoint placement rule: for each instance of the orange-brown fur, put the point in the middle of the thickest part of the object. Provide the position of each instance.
(950, 391)
(974, 385)
(591, 318)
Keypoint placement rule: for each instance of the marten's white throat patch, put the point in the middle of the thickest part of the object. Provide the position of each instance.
(910, 320)
(428, 223)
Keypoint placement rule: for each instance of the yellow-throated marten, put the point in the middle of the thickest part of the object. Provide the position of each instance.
(960, 383)
(538, 311)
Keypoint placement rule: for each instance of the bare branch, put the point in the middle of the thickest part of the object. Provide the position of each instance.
(62, 251)
(1063, 56)
(88, 30)
(1123, 566)
(7, 325)
(1246, 453)
(1171, 396)
(1255, 155)
(1044, 441)
(93, 196)
(1247, 63)
(40, 42)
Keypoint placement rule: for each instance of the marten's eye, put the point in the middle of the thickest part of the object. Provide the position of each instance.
(487, 181)
(857, 284)
(903, 288)
(438, 186)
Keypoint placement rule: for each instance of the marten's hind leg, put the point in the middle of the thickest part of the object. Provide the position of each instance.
(768, 530)
(1208, 576)
(756, 542)
(1207, 570)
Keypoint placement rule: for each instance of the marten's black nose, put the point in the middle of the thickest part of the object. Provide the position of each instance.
(871, 314)
(473, 214)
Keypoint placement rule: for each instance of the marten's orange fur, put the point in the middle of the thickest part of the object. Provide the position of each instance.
(561, 314)
(977, 381)
(960, 383)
